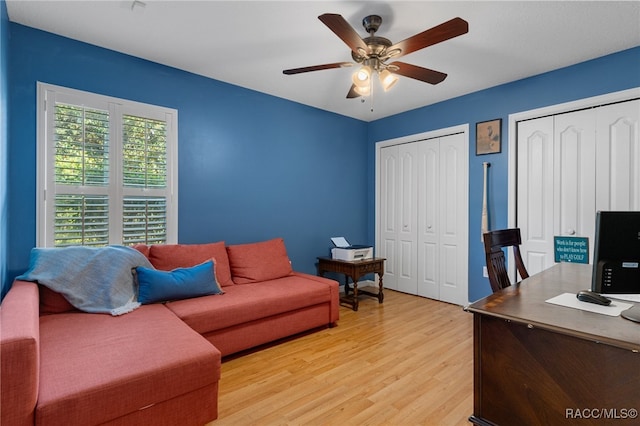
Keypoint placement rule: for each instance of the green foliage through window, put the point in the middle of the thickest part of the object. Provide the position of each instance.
(82, 146)
(145, 152)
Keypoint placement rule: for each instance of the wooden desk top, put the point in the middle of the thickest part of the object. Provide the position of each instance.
(525, 303)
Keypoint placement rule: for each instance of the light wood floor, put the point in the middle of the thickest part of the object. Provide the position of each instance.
(408, 361)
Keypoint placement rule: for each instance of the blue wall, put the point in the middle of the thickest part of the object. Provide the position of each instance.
(4, 145)
(251, 166)
(607, 74)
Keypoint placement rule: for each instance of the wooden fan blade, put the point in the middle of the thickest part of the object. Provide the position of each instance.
(435, 35)
(352, 92)
(342, 29)
(317, 68)
(419, 73)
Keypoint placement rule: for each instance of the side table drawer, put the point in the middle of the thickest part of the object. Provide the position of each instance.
(371, 267)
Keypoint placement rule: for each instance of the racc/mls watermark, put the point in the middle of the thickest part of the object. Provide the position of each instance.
(601, 413)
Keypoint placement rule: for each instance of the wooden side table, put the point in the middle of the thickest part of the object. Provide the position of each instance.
(354, 269)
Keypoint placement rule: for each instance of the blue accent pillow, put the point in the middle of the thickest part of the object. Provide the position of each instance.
(181, 283)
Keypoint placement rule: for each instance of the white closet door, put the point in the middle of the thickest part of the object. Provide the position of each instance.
(429, 218)
(454, 221)
(618, 157)
(407, 205)
(575, 175)
(423, 216)
(535, 192)
(568, 167)
(389, 166)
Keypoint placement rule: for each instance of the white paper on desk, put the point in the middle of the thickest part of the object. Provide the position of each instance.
(571, 301)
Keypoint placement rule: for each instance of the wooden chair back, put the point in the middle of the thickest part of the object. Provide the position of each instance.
(494, 242)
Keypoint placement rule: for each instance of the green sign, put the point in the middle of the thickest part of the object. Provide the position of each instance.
(571, 249)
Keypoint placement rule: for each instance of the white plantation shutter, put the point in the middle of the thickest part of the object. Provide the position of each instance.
(144, 166)
(144, 220)
(107, 170)
(81, 149)
(81, 220)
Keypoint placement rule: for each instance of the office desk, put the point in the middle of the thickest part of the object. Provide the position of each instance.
(538, 363)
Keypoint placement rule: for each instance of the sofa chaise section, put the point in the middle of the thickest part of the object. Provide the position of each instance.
(85, 379)
(76, 368)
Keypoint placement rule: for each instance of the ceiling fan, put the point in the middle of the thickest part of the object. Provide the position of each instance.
(373, 52)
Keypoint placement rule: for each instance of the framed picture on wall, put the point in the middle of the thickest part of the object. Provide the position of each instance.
(488, 137)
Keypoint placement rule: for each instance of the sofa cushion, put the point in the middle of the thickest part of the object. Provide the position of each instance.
(171, 256)
(262, 261)
(142, 248)
(181, 283)
(96, 368)
(249, 302)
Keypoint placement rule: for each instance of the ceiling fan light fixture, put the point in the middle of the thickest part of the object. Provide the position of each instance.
(387, 79)
(362, 90)
(362, 77)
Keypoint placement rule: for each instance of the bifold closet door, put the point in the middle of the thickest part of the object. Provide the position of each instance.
(535, 192)
(556, 183)
(408, 216)
(398, 207)
(424, 217)
(443, 219)
(429, 219)
(454, 214)
(389, 166)
(618, 157)
(575, 175)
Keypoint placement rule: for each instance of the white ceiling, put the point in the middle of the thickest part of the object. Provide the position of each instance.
(249, 43)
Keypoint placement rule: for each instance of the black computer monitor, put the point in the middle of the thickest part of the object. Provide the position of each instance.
(616, 256)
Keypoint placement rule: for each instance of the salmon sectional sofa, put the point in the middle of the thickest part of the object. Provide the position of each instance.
(159, 363)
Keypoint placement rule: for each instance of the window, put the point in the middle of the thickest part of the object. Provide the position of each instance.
(107, 170)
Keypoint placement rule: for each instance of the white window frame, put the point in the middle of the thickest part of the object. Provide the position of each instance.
(47, 96)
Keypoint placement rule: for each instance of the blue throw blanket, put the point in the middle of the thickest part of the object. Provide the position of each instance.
(97, 280)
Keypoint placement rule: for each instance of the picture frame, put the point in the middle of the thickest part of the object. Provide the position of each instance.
(489, 137)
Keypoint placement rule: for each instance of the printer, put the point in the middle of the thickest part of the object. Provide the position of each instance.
(342, 250)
